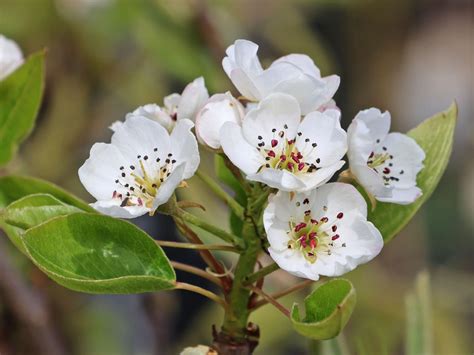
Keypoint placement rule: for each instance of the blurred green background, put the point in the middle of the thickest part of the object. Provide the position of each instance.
(106, 57)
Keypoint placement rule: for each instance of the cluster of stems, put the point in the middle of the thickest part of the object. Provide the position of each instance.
(241, 289)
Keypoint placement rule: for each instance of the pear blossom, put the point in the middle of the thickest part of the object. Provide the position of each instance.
(141, 167)
(385, 164)
(11, 56)
(321, 232)
(294, 74)
(274, 146)
(219, 109)
(176, 106)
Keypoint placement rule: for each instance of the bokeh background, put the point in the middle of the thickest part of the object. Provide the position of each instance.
(106, 57)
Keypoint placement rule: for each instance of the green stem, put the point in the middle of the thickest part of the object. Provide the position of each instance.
(277, 295)
(196, 271)
(261, 273)
(201, 291)
(165, 243)
(218, 232)
(272, 301)
(222, 194)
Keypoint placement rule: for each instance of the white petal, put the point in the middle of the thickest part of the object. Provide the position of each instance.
(219, 109)
(115, 125)
(303, 62)
(360, 143)
(11, 56)
(270, 78)
(370, 180)
(139, 135)
(242, 66)
(171, 102)
(192, 99)
(320, 176)
(324, 129)
(278, 179)
(338, 197)
(184, 147)
(169, 185)
(377, 122)
(273, 114)
(99, 171)
(402, 196)
(112, 208)
(155, 113)
(238, 150)
(294, 263)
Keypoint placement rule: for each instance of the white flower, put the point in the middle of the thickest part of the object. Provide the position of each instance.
(274, 146)
(219, 109)
(294, 74)
(141, 167)
(322, 232)
(176, 106)
(385, 164)
(11, 57)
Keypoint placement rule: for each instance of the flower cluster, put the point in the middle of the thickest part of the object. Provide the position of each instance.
(284, 132)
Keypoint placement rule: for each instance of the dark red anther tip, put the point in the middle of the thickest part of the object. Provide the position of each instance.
(340, 215)
(300, 166)
(271, 153)
(274, 143)
(334, 237)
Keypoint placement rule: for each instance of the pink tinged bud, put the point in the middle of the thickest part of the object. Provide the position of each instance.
(334, 237)
(274, 143)
(300, 227)
(271, 153)
(301, 166)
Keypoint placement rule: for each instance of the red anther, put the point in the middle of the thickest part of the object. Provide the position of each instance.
(290, 142)
(303, 241)
(300, 227)
(274, 143)
(140, 202)
(340, 215)
(313, 243)
(114, 195)
(282, 157)
(271, 153)
(295, 158)
(290, 166)
(314, 221)
(301, 166)
(386, 171)
(299, 155)
(324, 220)
(334, 237)
(334, 228)
(312, 235)
(371, 155)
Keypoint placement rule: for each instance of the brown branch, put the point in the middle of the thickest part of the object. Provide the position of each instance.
(277, 295)
(271, 300)
(28, 306)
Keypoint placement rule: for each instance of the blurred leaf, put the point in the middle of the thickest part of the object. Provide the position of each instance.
(435, 137)
(31, 211)
(20, 99)
(335, 346)
(14, 187)
(226, 176)
(418, 315)
(99, 254)
(328, 309)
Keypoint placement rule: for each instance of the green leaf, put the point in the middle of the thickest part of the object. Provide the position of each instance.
(31, 211)
(14, 187)
(99, 254)
(435, 137)
(419, 326)
(328, 309)
(20, 99)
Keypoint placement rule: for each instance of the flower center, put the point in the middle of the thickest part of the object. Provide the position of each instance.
(313, 237)
(138, 184)
(382, 163)
(281, 153)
